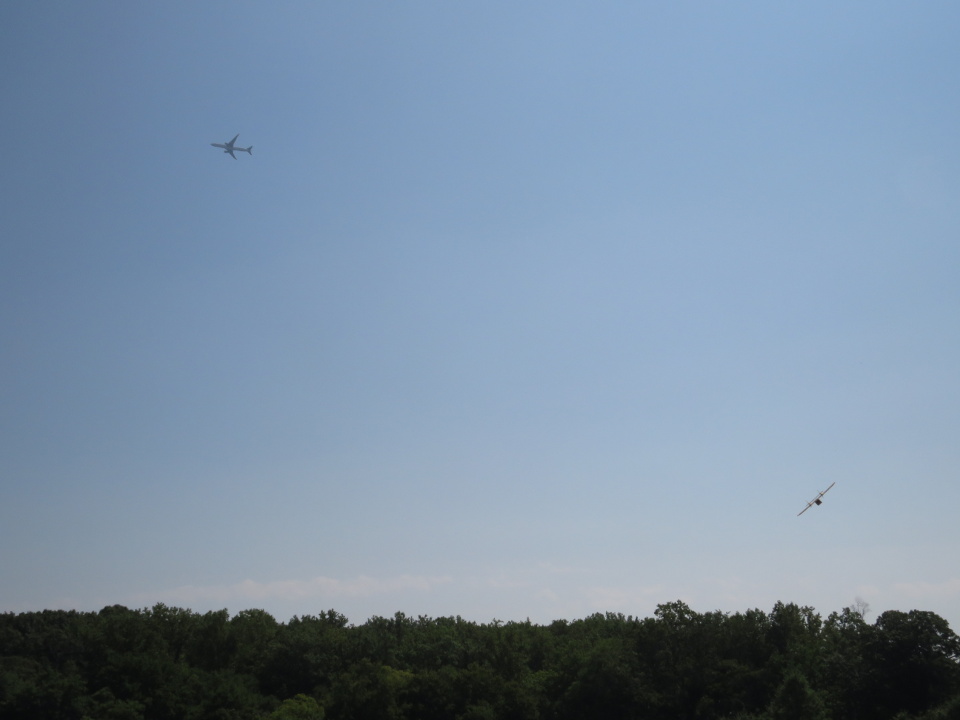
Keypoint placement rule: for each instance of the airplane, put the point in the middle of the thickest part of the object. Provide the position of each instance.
(816, 500)
(229, 148)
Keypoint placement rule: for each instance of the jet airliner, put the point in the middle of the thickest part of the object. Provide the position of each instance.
(229, 148)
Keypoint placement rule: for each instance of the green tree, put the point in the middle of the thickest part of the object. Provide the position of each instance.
(913, 662)
(211, 644)
(306, 656)
(253, 632)
(368, 691)
(794, 633)
(102, 705)
(796, 700)
(680, 650)
(299, 707)
(845, 674)
(608, 683)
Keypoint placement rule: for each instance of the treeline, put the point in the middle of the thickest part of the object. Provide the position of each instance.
(167, 663)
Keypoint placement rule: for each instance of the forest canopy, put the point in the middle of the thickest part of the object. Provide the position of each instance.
(167, 663)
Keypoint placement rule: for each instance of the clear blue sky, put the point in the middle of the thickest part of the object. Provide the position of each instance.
(517, 309)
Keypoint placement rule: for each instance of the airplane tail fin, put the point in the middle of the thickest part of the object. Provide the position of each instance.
(249, 150)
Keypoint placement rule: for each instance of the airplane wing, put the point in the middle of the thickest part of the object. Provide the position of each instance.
(816, 500)
(234, 140)
(230, 150)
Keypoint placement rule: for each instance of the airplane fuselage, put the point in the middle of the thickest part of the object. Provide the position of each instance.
(229, 148)
(232, 150)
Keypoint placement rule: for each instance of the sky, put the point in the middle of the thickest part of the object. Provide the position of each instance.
(517, 310)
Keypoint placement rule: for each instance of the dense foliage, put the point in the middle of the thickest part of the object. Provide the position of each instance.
(167, 663)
